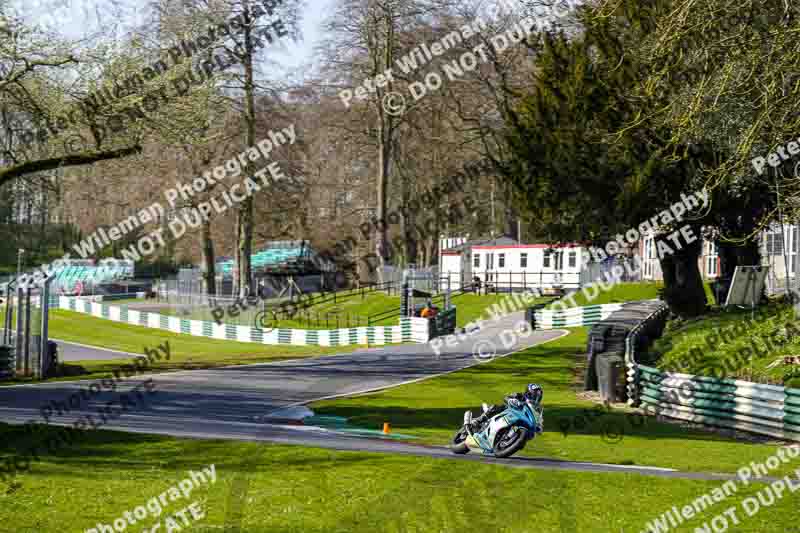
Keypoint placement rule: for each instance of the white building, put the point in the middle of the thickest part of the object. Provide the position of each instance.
(509, 265)
(779, 252)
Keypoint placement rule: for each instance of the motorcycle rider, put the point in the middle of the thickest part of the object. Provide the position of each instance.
(533, 392)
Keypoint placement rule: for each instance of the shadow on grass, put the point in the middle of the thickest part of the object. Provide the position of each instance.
(117, 451)
(559, 419)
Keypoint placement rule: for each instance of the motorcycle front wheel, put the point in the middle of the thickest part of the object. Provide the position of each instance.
(509, 441)
(459, 445)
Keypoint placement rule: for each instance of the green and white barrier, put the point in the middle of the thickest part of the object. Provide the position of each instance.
(409, 330)
(729, 403)
(757, 408)
(574, 316)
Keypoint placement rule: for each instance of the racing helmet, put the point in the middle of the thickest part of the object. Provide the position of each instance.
(534, 393)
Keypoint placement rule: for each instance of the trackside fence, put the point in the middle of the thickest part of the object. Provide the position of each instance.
(574, 316)
(769, 410)
(408, 329)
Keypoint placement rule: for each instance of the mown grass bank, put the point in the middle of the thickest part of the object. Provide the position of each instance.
(734, 344)
(186, 351)
(268, 488)
(574, 428)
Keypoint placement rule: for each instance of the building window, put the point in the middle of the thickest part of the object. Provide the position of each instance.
(573, 258)
(546, 261)
(711, 265)
(501, 260)
(711, 259)
(774, 243)
(476, 261)
(523, 260)
(559, 260)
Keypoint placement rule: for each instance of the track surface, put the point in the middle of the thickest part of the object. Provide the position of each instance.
(245, 393)
(72, 351)
(242, 402)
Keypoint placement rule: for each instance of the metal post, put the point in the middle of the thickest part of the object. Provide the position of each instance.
(20, 253)
(9, 316)
(27, 341)
(20, 318)
(43, 340)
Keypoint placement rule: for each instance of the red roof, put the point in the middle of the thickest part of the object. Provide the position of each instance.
(567, 245)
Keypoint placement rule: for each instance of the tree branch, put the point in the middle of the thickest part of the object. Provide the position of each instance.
(30, 167)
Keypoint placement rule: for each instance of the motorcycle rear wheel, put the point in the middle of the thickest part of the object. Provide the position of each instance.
(507, 444)
(459, 445)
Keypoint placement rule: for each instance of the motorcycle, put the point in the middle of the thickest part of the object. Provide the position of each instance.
(502, 434)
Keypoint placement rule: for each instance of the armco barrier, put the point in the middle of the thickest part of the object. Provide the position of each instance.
(574, 316)
(769, 410)
(727, 403)
(409, 330)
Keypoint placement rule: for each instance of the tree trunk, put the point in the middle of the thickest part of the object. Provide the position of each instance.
(381, 237)
(683, 285)
(409, 237)
(209, 266)
(383, 59)
(732, 256)
(245, 218)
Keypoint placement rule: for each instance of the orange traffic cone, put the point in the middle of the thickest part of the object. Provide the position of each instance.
(387, 428)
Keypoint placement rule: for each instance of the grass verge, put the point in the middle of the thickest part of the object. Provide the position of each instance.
(292, 489)
(733, 344)
(574, 429)
(186, 351)
(618, 293)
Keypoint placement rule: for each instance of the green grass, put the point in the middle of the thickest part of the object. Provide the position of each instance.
(433, 410)
(618, 293)
(722, 342)
(294, 489)
(473, 307)
(187, 352)
(127, 301)
(290, 489)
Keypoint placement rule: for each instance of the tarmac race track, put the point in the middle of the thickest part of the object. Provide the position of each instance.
(247, 402)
